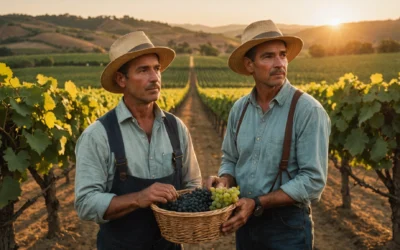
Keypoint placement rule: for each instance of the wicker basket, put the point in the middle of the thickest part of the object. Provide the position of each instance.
(191, 228)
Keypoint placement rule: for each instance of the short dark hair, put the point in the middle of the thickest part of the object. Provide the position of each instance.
(125, 67)
(251, 53)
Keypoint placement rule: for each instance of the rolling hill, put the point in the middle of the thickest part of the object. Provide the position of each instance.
(366, 31)
(67, 33)
(235, 30)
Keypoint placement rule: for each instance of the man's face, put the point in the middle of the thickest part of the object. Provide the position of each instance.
(270, 63)
(142, 83)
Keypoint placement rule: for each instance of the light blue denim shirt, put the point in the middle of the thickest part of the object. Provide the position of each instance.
(255, 161)
(95, 162)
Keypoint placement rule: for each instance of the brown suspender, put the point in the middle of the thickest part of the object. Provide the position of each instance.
(288, 137)
(240, 121)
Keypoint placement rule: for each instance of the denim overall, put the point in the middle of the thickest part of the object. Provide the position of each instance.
(137, 230)
(286, 227)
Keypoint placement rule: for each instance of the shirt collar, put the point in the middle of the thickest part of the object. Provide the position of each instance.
(280, 98)
(123, 112)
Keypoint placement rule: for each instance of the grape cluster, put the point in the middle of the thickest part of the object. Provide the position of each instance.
(199, 200)
(223, 197)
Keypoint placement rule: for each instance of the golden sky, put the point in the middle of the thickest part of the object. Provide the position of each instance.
(215, 13)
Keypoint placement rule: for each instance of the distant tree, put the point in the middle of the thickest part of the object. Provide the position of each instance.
(208, 50)
(171, 43)
(366, 48)
(229, 49)
(4, 51)
(352, 48)
(45, 61)
(331, 51)
(316, 50)
(181, 48)
(388, 45)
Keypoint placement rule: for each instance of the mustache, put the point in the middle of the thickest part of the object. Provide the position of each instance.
(277, 71)
(153, 85)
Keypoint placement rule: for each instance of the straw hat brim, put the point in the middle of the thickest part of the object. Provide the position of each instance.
(166, 56)
(236, 63)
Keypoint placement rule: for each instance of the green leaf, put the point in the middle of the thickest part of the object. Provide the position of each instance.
(51, 153)
(379, 150)
(59, 132)
(396, 108)
(20, 108)
(388, 130)
(10, 190)
(33, 95)
(22, 120)
(18, 161)
(342, 125)
(368, 111)
(383, 96)
(392, 143)
(396, 123)
(39, 141)
(370, 97)
(60, 111)
(377, 120)
(6, 92)
(385, 164)
(349, 112)
(356, 141)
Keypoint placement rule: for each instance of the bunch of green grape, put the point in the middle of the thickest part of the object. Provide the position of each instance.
(223, 197)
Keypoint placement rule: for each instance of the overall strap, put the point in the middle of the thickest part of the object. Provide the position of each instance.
(171, 126)
(110, 123)
(287, 141)
(240, 121)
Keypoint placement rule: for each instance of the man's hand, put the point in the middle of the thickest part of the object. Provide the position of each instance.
(158, 192)
(226, 181)
(244, 209)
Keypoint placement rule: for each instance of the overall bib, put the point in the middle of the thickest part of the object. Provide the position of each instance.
(137, 230)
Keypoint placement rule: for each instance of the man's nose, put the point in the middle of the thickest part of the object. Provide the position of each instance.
(279, 62)
(155, 76)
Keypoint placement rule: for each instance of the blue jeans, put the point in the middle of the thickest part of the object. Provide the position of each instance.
(288, 228)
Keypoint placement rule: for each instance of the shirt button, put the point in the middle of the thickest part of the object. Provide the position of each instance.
(152, 176)
(249, 192)
(258, 138)
(151, 158)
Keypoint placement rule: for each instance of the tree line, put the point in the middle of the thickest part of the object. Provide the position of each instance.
(354, 48)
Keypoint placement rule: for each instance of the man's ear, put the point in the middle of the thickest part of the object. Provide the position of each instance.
(120, 79)
(248, 64)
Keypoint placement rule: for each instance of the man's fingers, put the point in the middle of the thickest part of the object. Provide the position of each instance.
(210, 181)
(233, 224)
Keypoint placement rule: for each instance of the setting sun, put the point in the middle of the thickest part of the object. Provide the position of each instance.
(335, 22)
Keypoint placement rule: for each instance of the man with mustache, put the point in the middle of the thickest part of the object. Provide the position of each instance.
(275, 147)
(136, 154)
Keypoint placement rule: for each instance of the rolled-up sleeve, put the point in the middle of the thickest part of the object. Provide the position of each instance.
(229, 151)
(312, 156)
(191, 173)
(91, 198)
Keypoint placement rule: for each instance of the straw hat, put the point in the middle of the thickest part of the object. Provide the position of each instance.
(128, 47)
(257, 33)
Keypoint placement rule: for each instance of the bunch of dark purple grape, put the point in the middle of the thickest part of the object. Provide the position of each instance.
(199, 200)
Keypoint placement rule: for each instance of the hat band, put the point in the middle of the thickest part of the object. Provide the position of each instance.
(142, 46)
(268, 35)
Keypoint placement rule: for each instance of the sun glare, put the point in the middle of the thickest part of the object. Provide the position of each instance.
(335, 22)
